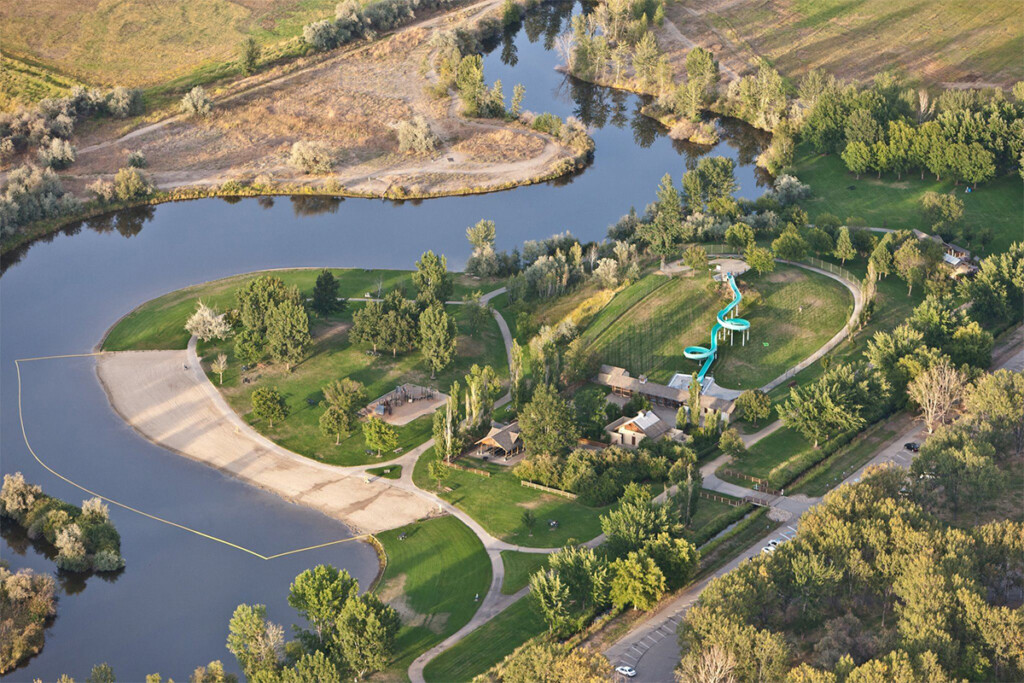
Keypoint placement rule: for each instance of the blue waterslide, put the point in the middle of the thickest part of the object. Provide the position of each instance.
(724, 322)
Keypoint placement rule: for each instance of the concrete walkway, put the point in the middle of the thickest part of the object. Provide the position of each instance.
(652, 642)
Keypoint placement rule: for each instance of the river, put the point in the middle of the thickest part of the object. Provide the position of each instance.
(168, 610)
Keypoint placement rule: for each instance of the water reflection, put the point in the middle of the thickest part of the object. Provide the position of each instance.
(309, 205)
(71, 583)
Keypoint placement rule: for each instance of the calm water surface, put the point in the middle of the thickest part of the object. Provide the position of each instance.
(168, 611)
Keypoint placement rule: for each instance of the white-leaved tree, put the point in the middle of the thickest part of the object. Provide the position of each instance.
(207, 324)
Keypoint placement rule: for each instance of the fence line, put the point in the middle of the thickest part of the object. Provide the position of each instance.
(548, 489)
(465, 468)
(721, 499)
(762, 485)
(719, 249)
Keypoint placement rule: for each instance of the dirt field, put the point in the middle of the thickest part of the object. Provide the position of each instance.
(351, 102)
(936, 42)
(179, 410)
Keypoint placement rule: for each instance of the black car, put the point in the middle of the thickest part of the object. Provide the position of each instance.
(912, 446)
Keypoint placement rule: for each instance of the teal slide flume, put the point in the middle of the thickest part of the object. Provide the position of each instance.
(724, 322)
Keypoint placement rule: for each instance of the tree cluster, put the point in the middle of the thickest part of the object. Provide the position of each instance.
(347, 635)
(944, 596)
(28, 603)
(84, 537)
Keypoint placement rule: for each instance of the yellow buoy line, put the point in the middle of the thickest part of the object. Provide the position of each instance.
(24, 436)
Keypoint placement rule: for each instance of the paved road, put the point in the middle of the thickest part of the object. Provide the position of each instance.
(652, 648)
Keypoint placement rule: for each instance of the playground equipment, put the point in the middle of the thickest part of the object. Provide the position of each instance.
(724, 323)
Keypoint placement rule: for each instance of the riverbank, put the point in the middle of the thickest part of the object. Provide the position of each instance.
(166, 398)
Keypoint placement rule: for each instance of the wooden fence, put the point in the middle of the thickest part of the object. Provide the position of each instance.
(760, 485)
(464, 468)
(735, 502)
(548, 489)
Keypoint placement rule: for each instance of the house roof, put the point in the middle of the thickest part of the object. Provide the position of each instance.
(502, 436)
(645, 422)
(619, 378)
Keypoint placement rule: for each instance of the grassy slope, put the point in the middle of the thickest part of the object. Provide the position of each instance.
(930, 40)
(888, 203)
(136, 43)
(647, 326)
(436, 572)
(488, 645)
(160, 323)
(518, 568)
(497, 503)
(769, 453)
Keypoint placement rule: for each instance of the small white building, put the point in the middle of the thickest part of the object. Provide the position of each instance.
(629, 432)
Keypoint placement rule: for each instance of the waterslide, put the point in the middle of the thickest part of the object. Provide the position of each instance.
(724, 322)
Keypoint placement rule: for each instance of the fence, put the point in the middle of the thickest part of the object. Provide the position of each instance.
(760, 485)
(464, 468)
(720, 499)
(548, 489)
(720, 249)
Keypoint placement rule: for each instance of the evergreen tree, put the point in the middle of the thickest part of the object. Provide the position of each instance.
(437, 338)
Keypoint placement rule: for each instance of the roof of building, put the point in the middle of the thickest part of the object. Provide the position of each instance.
(645, 422)
(619, 378)
(502, 436)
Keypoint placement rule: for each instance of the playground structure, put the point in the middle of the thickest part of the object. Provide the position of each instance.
(725, 322)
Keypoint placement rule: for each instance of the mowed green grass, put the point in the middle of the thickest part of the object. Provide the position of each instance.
(890, 203)
(139, 43)
(487, 645)
(519, 567)
(432, 578)
(335, 357)
(498, 502)
(932, 41)
(769, 454)
(647, 326)
(160, 323)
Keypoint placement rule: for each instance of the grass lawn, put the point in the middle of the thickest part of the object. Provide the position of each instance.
(498, 502)
(387, 471)
(768, 454)
(888, 203)
(646, 326)
(160, 323)
(432, 578)
(488, 645)
(518, 569)
(707, 512)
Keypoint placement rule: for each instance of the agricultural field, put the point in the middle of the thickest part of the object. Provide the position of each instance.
(934, 42)
(431, 579)
(142, 44)
(887, 203)
(647, 326)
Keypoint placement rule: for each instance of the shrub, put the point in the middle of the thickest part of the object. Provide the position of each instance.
(311, 157)
(130, 183)
(103, 189)
(124, 102)
(136, 159)
(196, 102)
(32, 194)
(415, 136)
(108, 561)
(57, 153)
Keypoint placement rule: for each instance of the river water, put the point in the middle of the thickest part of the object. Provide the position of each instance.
(168, 610)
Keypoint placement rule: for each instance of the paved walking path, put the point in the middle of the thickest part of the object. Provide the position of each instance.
(653, 643)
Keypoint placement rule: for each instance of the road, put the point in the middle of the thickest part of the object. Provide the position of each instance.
(652, 648)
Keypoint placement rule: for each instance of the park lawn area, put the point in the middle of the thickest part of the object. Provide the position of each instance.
(892, 307)
(387, 471)
(891, 203)
(160, 322)
(333, 357)
(497, 503)
(841, 465)
(487, 645)
(798, 313)
(646, 326)
(519, 567)
(431, 579)
(767, 455)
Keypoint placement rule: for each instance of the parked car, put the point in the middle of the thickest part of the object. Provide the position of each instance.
(626, 671)
(912, 446)
(775, 542)
(768, 549)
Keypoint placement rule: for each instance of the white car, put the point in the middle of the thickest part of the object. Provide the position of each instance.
(775, 542)
(626, 671)
(768, 549)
